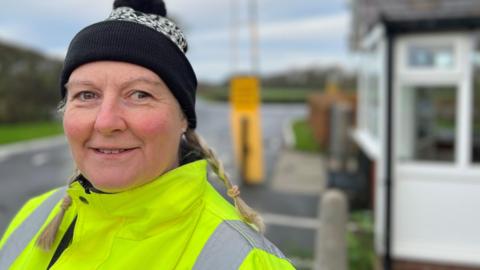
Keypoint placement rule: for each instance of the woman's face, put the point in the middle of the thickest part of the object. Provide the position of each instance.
(122, 123)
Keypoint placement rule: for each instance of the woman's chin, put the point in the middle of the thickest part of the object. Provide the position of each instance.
(112, 184)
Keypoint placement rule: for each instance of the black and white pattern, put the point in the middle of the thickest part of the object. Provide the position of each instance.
(156, 22)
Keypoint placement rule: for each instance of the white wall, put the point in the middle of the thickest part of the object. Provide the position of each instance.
(436, 214)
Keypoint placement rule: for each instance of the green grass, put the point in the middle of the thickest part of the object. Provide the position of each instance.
(303, 136)
(268, 94)
(10, 133)
(361, 254)
(285, 95)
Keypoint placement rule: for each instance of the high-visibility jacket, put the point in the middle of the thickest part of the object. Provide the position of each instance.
(178, 221)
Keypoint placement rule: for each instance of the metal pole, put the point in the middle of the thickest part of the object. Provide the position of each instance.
(387, 260)
(253, 15)
(234, 36)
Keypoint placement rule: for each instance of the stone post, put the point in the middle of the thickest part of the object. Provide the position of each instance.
(331, 240)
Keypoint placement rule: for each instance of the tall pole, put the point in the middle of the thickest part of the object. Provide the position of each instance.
(245, 98)
(389, 159)
(234, 28)
(253, 17)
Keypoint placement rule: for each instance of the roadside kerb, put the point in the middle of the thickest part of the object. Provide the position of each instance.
(32, 145)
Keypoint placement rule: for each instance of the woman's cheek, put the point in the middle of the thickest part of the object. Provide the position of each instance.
(155, 124)
(75, 125)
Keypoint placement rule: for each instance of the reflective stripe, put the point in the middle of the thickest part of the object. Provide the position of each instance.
(230, 244)
(22, 236)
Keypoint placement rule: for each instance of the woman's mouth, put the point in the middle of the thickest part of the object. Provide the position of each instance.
(112, 151)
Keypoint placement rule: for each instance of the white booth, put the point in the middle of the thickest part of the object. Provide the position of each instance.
(430, 69)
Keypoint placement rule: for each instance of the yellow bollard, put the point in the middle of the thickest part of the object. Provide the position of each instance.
(246, 129)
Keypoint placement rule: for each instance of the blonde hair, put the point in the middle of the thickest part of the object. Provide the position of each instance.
(246, 212)
(48, 235)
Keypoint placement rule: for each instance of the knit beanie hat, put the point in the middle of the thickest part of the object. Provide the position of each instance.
(138, 32)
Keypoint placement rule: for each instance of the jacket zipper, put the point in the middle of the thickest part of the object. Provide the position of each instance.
(64, 243)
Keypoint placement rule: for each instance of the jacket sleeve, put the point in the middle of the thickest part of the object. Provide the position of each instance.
(259, 259)
(24, 212)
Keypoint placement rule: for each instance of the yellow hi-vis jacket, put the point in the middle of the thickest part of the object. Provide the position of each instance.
(178, 221)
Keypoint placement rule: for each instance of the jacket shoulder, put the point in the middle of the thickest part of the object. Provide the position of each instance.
(24, 212)
(245, 235)
(259, 259)
(235, 244)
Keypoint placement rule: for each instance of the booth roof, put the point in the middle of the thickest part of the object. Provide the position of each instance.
(405, 15)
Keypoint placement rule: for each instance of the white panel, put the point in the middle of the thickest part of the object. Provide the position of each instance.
(437, 218)
(419, 251)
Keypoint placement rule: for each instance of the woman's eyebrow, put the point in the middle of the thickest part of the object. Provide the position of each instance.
(78, 82)
(123, 85)
(141, 80)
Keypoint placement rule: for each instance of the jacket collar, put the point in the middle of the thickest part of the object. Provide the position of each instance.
(173, 194)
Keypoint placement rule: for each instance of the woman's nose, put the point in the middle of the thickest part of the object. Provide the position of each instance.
(110, 118)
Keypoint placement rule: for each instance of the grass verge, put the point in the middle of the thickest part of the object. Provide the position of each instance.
(361, 255)
(303, 136)
(10, 133)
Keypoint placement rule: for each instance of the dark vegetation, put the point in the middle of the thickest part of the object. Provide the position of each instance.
(290, 86)
(29, 90)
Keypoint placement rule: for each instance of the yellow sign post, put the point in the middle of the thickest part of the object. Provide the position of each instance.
(246, 131)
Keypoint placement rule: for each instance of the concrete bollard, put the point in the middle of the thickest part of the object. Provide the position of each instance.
(331, 240)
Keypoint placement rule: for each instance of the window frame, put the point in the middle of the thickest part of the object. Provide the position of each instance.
(459, 76)
(372, 58)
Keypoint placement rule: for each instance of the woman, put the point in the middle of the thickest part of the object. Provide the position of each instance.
(140, 198)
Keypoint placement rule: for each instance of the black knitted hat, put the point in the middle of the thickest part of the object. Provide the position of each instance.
(138, 32)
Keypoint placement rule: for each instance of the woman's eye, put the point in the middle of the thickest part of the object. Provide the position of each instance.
(140, 95)
(85, 95)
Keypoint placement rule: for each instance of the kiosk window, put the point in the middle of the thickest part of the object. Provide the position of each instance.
(428, 123)
(430, 56)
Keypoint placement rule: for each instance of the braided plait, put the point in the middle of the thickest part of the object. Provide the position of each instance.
(47, 237)
(245, 211)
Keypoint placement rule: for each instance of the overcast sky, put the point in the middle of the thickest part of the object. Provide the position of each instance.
(293, 34)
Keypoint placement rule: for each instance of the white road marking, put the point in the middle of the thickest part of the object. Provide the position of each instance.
(40, 159)
(299, 222)
(291, 221)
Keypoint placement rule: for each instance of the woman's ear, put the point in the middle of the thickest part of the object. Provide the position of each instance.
(184, 124)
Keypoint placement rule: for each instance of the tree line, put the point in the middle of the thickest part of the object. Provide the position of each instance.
(29, 89)
(312, 78)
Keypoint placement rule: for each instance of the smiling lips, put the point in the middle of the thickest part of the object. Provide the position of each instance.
(112, 151)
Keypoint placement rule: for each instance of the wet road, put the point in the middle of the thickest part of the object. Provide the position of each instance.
(29, 173)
